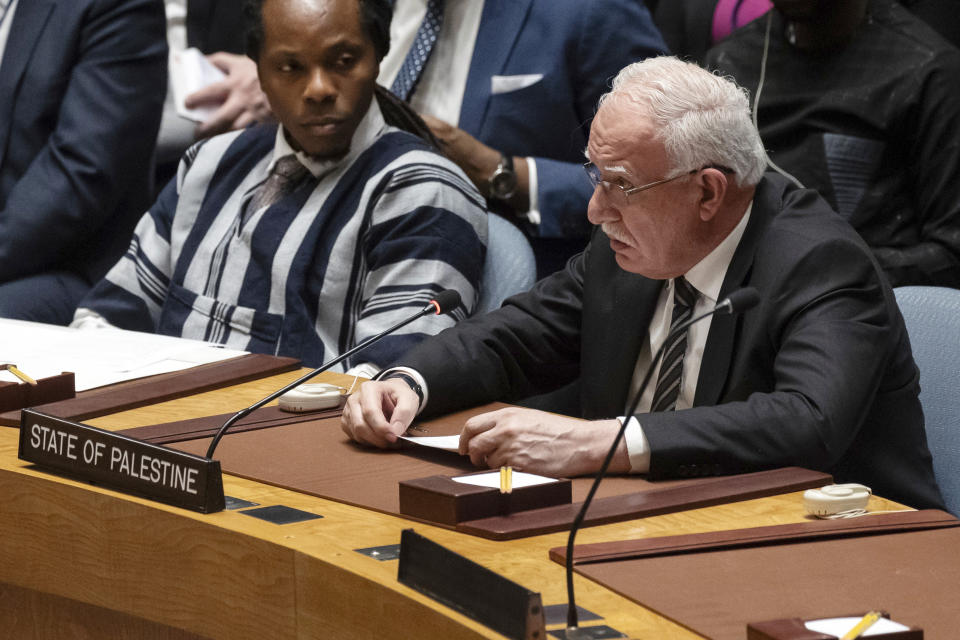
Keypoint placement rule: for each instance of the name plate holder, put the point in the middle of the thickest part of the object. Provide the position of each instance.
(443, 500)
(17, 395)
(475, 591)
(795, 629)
(121, 463)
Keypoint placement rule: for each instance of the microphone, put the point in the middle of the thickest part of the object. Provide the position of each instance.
(737, 302)
(445, 302)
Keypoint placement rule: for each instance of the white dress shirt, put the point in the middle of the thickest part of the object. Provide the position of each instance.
(7, 9)
(706, 277)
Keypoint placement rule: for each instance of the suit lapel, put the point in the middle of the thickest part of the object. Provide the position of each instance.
(29, 20)
(718, 351)
(626, 338)
(617, 318)
(500, 24)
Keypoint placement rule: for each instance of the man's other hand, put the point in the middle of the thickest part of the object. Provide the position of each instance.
(379, 412)
(240, 100)
(541, 442)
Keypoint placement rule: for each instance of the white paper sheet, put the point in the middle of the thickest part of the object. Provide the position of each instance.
(447, 443)
(492, 480)
(840, 626)
(99, 356)
(191, 71)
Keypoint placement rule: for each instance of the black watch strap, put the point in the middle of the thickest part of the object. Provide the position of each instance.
(411, 382)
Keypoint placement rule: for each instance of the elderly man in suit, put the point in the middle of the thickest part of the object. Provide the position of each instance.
(81, 92)
(819, 374)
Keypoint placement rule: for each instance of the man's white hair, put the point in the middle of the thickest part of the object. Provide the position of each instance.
(701, 118)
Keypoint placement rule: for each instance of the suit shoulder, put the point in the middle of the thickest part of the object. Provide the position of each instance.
(799, 232)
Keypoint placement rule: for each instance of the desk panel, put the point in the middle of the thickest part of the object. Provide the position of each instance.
(227, 575)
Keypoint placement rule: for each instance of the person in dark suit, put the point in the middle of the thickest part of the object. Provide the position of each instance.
(819, 374)
(533, 74)
(859, 100)
(81, 91)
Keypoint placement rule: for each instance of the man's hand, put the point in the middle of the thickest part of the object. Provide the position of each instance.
(542, 443)
(379, 412)
(241, 101)
(478, 160)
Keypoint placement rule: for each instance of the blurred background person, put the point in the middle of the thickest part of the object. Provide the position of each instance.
(859, 100)
(81, 92)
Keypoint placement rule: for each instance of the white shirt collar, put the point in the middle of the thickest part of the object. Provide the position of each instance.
(707, 275)
(370, 128)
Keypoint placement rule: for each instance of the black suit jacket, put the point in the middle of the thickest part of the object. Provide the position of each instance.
(81, 92)
(819, 374)
(215, 25)
(687, 26)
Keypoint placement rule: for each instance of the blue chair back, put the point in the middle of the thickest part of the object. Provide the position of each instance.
(509, 267)
(932, 316)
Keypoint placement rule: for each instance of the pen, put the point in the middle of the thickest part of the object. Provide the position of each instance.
(506, 479)
(12, 368)
(865, 623)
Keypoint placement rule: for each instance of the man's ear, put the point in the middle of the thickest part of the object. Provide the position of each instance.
(713, 189)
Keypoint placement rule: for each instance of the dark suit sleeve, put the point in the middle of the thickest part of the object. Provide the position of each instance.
(826, 331)
(931, 140)
(530, 345)
(107, 123)
(626, 30)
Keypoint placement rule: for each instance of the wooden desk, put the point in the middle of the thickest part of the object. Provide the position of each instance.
(77, 561)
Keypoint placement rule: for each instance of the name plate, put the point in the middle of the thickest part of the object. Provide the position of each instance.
(120, 462)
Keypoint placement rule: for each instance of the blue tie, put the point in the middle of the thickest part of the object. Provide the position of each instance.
(671, 368)
(416, 60)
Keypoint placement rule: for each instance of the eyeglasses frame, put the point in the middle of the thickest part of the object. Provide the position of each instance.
(593, 175)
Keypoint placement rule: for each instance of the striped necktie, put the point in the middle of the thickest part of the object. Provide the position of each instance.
(419, 53)
(283, 179)
(671, 368)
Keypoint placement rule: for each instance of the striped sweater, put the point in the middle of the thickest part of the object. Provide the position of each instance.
(357, 245)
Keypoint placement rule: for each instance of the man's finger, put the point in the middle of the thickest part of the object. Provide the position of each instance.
(223, 60)
(221, 119)
(213, 93)
(475, 426)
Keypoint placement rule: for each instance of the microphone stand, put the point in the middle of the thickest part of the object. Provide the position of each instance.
(443, 304)
(746, 299)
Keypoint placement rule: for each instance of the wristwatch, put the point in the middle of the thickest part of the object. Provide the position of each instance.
(503, 182)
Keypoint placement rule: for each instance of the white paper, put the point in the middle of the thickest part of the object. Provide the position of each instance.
(99, 357)
(492, 480)
(840, 626)
(447, 443)
(191, 71)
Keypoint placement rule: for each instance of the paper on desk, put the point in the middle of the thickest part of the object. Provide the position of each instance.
(447, 443)
(492, 479)
(190, 71)
(840, 626)
(99, 357)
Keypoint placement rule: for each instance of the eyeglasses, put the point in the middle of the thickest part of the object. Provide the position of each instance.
(596, 179)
